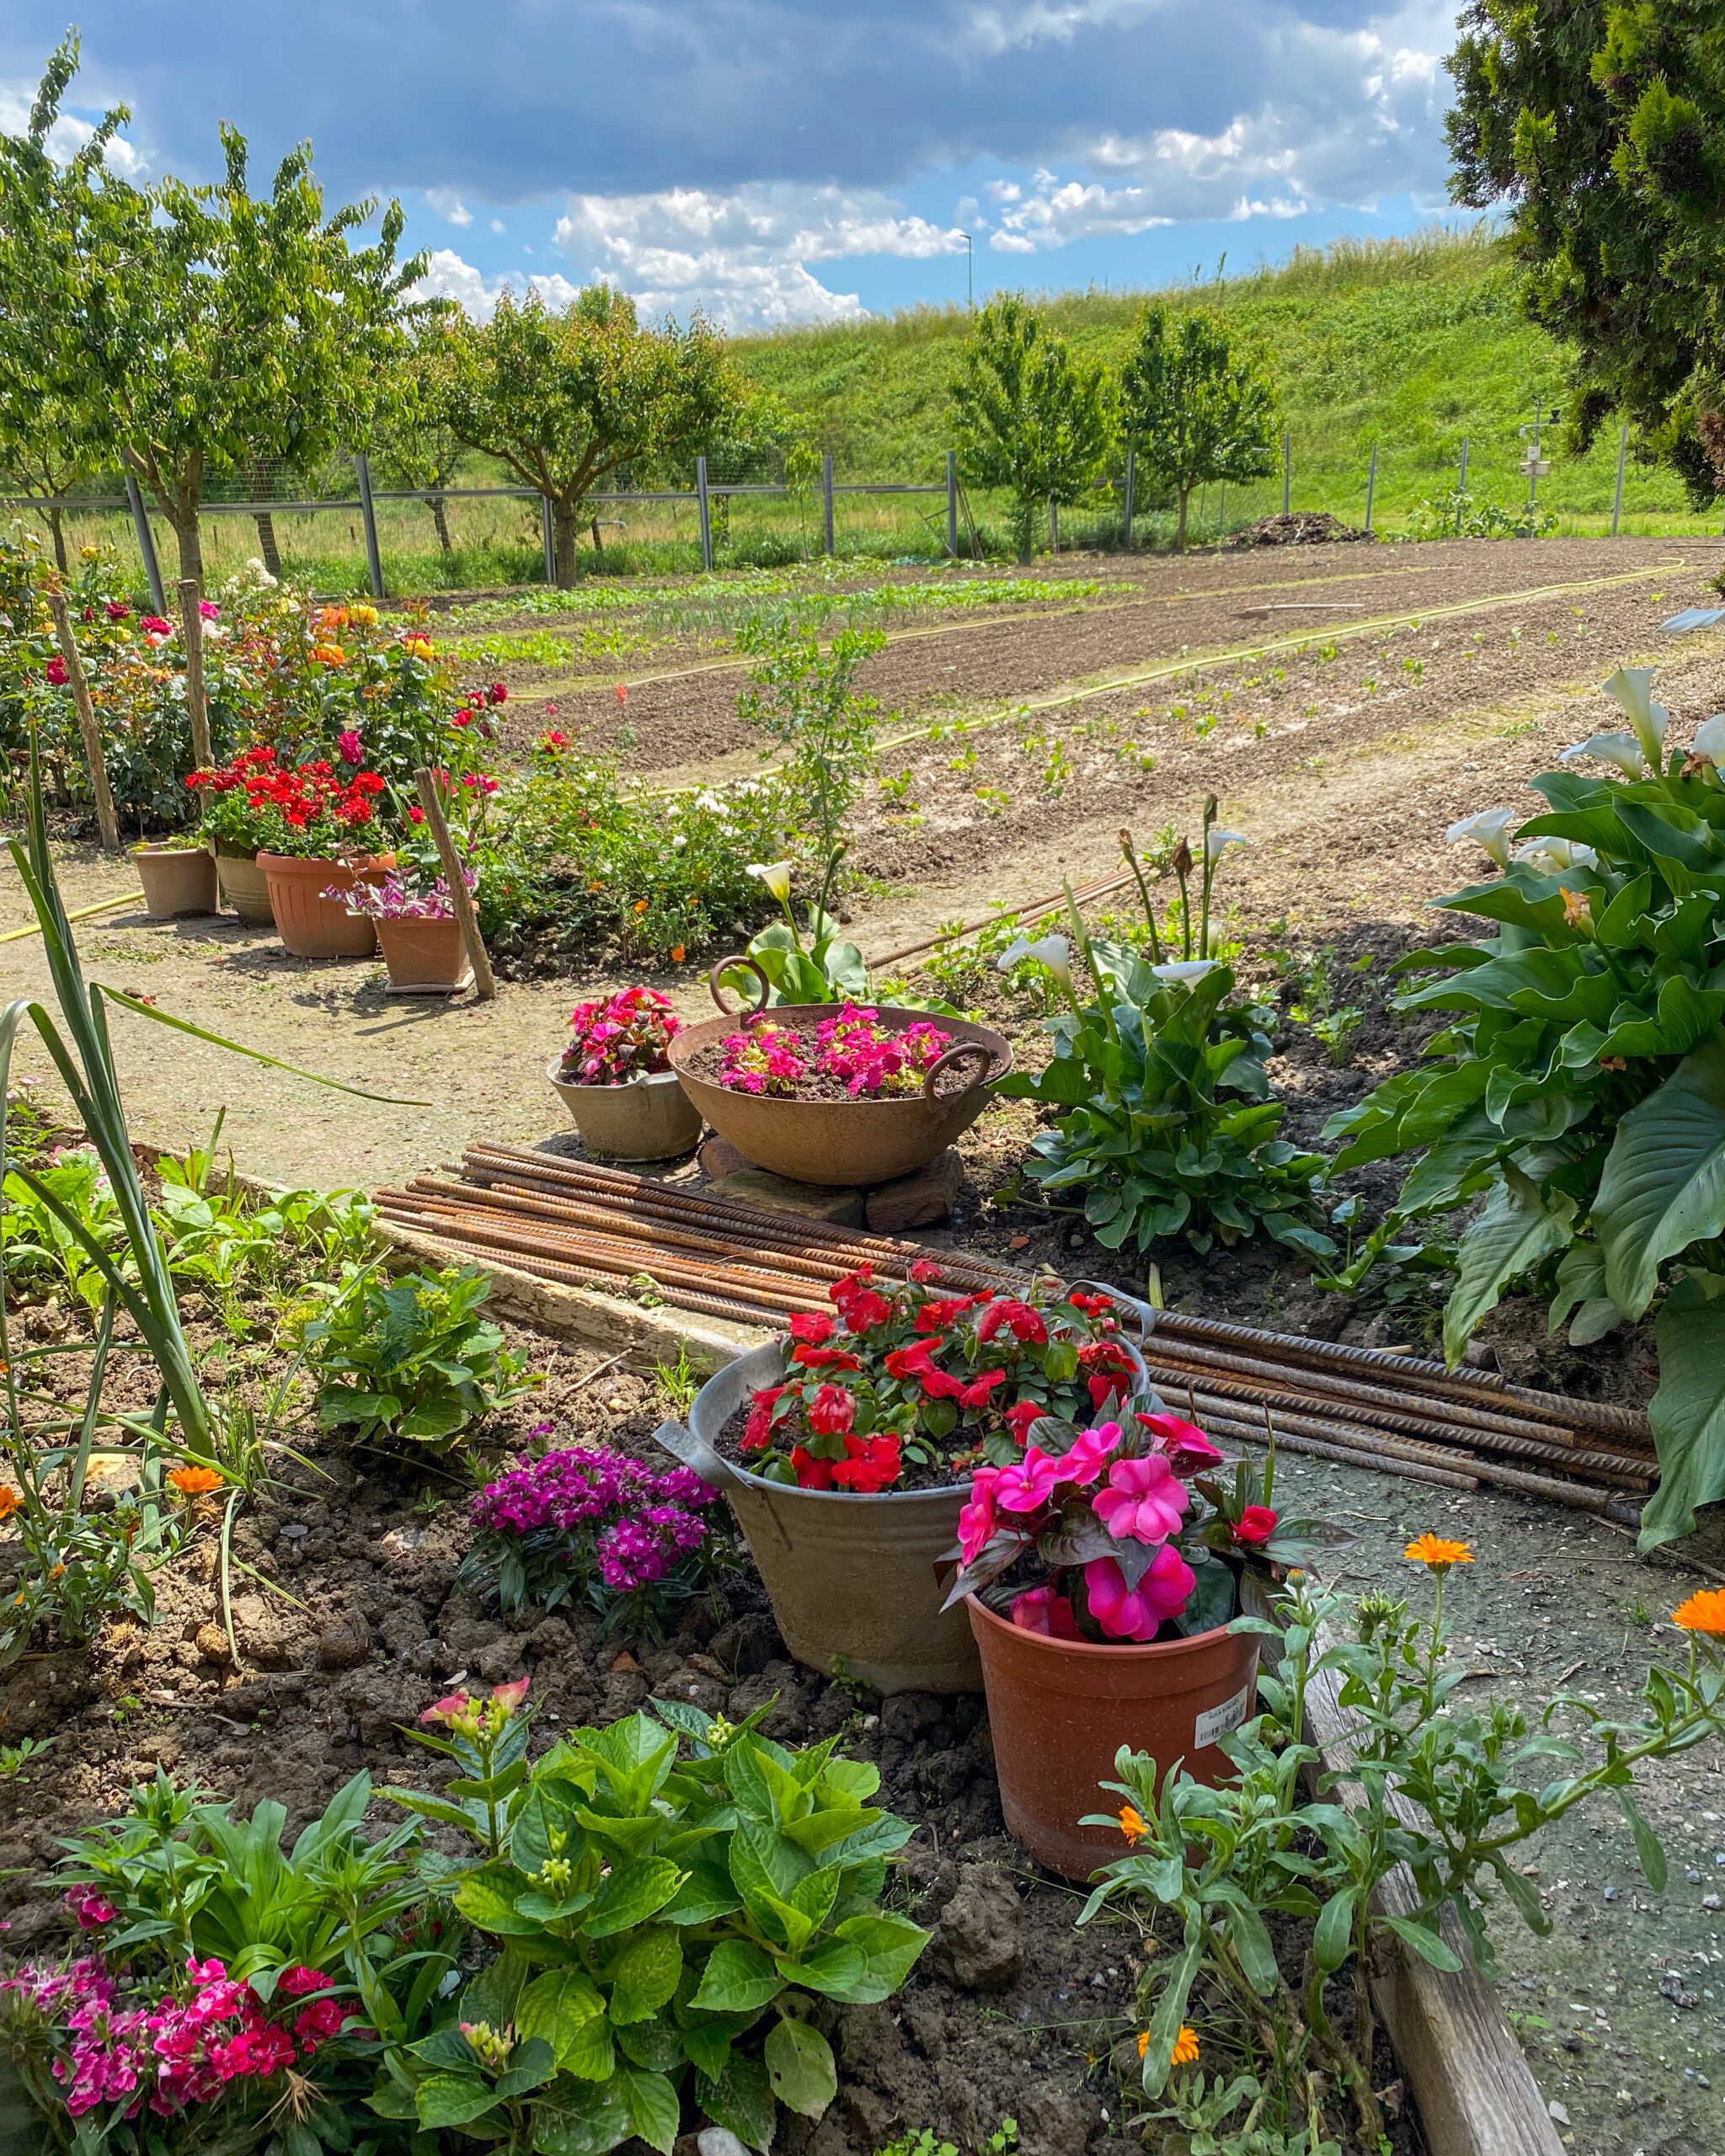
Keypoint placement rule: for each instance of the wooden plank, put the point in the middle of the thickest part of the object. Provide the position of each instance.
(1475, 2092)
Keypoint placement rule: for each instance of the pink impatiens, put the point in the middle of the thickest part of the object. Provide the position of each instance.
(1137, 1612)
(1145, 1499)
(854, 1047)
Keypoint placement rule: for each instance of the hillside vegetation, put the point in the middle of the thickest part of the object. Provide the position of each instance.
(1409, 343)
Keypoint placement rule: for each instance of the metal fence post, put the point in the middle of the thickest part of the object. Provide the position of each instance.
(549, 537)
(368, 517)
(1461, 490)
(1131, 474)
(1617, 497)
(706, 509)
(826, 494)
(1287, 467)
(953, 504)
(1371, 483)
(147, 542)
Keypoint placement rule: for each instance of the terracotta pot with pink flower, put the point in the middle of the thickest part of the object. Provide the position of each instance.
(846, 1451)
(616, 1080)
(1104, 1573)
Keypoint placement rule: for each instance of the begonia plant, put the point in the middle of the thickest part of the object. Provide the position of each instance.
(618, 1037)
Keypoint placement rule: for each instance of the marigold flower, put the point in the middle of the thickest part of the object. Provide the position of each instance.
(1703, 1612)
(1131, 1820)
(676, 954)
(641, 905)
(1437, 1554)
(1185, 2051)
(194, 1481)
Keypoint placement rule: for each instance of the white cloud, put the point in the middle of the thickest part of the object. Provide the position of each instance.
(1057, 212)
(742, 257)
(497, 224)
(68, 134)
(449, 205)
(448, 277)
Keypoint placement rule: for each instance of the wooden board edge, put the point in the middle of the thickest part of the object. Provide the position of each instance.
(1475, 2090)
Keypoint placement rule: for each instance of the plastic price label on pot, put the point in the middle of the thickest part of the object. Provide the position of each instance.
(1217, 1722)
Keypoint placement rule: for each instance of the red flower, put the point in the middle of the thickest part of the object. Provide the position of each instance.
(935, 1317)
(976, 1392)
(318, 2023)
(858, 1305)
(1104, 1355)
(874, 1463)
(825, 1358)
(1255, 1526)
(1021, 1417)
(299, 1980)
(831, 1412)
(55, 671)
(812, 1474)
(1091, 1305)
(1025, 1324)
(923, 1270)
(1103, 1390)
(497, 694)
(916, 1363)
(757, 1433)
(814, 1328)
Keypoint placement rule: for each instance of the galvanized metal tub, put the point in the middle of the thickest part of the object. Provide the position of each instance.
(842, 1142)
(851, 1579)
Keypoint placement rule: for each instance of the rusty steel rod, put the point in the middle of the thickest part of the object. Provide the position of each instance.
(1346, 1456)
(575, 1276)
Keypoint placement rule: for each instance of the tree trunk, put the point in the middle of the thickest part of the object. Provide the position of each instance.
(266, 540)
(1054, 522)
(58, 531)
(437, 507)
(1025, 509)
(563, 534)
(1180, 528)
(598, 543)
(191, 547)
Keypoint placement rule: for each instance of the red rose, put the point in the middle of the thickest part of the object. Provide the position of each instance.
(1255, 1526)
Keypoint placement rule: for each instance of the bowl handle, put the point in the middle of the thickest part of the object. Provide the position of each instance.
(956, 1055)
(695, 1453)
(723, 967)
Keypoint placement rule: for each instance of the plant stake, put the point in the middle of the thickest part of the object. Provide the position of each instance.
(78, 683)
(460, 898)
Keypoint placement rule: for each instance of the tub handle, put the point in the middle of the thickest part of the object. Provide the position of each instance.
(716, 977)
(1144, 1312)
(695, 1453)
(956, 1055)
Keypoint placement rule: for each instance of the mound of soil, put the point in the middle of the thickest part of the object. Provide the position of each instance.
(1307, 528)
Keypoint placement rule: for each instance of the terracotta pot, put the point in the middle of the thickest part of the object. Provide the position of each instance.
(423, 954)
(245, 888)
(850, 1578)
(841, 1142)
(177, 880)
(646, 1119)
(312, 925)
(1059, 1710)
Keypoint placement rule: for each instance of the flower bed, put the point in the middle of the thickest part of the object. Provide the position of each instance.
(910, 1388)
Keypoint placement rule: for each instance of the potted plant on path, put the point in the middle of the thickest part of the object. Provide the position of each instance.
(1101, 1572)
(417, 930)
(179, 876)
(304, 828)
(846, 1452)
(616, 1080)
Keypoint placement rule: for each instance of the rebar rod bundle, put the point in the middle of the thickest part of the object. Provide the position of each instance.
(580, 1224)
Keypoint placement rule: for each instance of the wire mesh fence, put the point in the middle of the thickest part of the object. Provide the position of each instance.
(339, 528)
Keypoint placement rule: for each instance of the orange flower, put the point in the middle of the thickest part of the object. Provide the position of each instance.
(1703, 1612)
(1433, 1551)
(8, 1503)
(194, 1481)
(1185, 2051)
(1131, 1822)
(676, 954)
(1143, 2041)
(57, 1572)
(328, 654)
(332, 617)
(641, 905)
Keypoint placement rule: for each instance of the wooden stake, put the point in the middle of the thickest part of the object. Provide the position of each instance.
(76, 681)
(191, 626)
(484, 986)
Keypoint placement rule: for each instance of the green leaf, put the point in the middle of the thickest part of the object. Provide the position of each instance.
(1513, 1232)
(492, 1995)
(738, 1979)
(580, 2120)
(1648, 1851)
(1664, 1184)
(801, 2065)
(1687, 1411)
(1332, 1939)
(631, 1895)
(654, 2112)
(657, 2044)
(1429, 1947)
(561, 2007)
(645, 1974)
(531, 2065)
(1166, 2024)
(452, 2098)
(741, 2099)
(706, 1892)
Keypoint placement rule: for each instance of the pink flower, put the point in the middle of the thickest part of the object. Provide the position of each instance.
(976, 1518)
(153, 625)
(1084, 1463)
(91, 1908)
(831, 1412)
(510, 1697)
(1043, 1609)
(1137, 1612)
(318, 2023)
(1183, 1444)
(299, 1980)
(209, 610)
(118, 611)
(1025, 1485)
(56, 672)
(1255, 1526)
(348, 748)
(446, 1710)
(1144, 1500)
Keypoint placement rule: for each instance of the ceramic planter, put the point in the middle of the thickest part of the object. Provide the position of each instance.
(245, 888)
(1059, 1710)
(312, 925)
(177, 880)
(646, 1119)
(848, 1577)
(846, 1142)
(424, 954)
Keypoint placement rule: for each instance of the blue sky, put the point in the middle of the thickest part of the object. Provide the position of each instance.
(775, 161)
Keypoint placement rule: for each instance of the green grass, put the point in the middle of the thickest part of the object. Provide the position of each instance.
(1410, 344)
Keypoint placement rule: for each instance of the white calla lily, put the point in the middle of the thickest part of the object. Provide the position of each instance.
(1623, 750)
(775, 874)
(1219, 840)
(1709, 743)
(1547, 856)
(1630, 689)
(1053, 953)
(1183, 972)
(1489, 829)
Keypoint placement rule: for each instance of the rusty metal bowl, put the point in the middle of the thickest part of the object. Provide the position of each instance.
(842, 1142)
